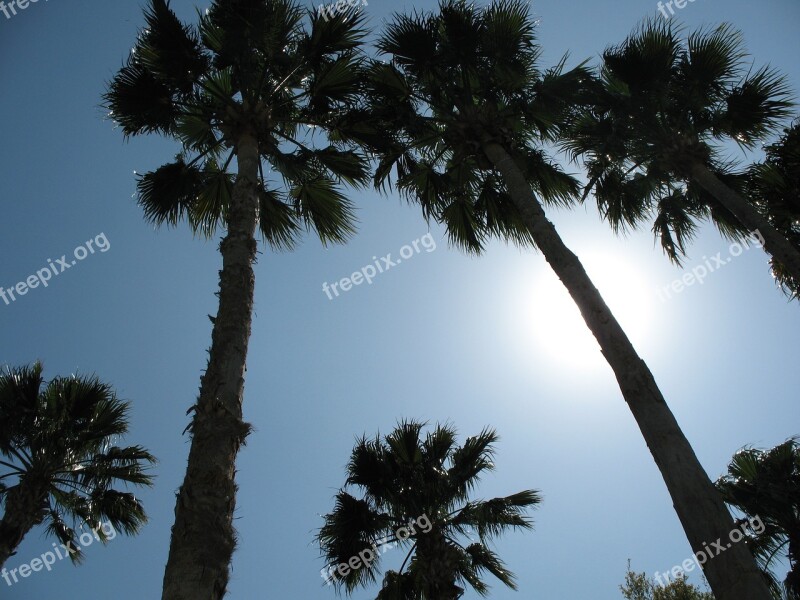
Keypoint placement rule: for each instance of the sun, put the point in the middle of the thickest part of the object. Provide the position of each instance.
(555, 323)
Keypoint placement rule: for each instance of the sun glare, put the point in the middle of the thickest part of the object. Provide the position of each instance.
(556, 325)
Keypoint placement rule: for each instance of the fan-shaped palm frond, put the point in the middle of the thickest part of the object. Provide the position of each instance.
(456, 78)
(61, 463)
(764, 485)
(775, 187)
(246, 66)
(420, 485)
(652, 136)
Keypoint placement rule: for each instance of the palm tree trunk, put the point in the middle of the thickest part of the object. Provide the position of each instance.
(440, 567)
(732, 574)
(24, 509)
(781, 249)
(203, 537)
(792, 582)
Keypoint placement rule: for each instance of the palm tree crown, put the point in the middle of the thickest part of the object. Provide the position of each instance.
(248, 70)
(765, 485)
(775, 187)
(663, 108)
(456, 79)
(61, 461)
(406, 478)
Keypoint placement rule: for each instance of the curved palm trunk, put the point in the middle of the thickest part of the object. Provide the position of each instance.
(203, 537)
(781, 249)
(733, 574)
(24, 509)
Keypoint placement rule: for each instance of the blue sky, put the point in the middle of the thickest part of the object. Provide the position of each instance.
(441, 337)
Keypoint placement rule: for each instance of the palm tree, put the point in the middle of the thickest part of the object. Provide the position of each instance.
(651, 137)
(466, 114)
(248, 82)
(775, 187)
(416, 494)
(61, 461)
(764, 485)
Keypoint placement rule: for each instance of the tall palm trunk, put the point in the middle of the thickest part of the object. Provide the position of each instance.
(24, 509)
(781, 249)
(203, 537)
(733, 574)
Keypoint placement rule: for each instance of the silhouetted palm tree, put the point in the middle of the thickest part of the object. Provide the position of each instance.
(249, 82)
(765, 486)
(421, 487)
(61, 462)
(651, 136)
(774, 186)
(467, 115)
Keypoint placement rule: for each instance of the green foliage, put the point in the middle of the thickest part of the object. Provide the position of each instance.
(664, 104)
(774, 186)
(765, 486)
(254, 69)
(457, 80)
(404, 476)
(62, 435)
(639, 587)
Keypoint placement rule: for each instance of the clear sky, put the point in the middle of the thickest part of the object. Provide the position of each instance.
(442, 336)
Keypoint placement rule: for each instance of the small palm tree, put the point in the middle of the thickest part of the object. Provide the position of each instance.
(467, 116)
(60, 459)
(416, 493)
(775, 187)
(765, 486)
(651, 136)
(249, 82)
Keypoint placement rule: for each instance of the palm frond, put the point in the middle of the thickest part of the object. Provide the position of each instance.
(277, 220)
(139, 102)
(491, 518)
(63, 445)
(484, 559)
(170, 50)
(414, 495)
(167, 194)
(324, 209)
(470, 460)
(755, 108)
